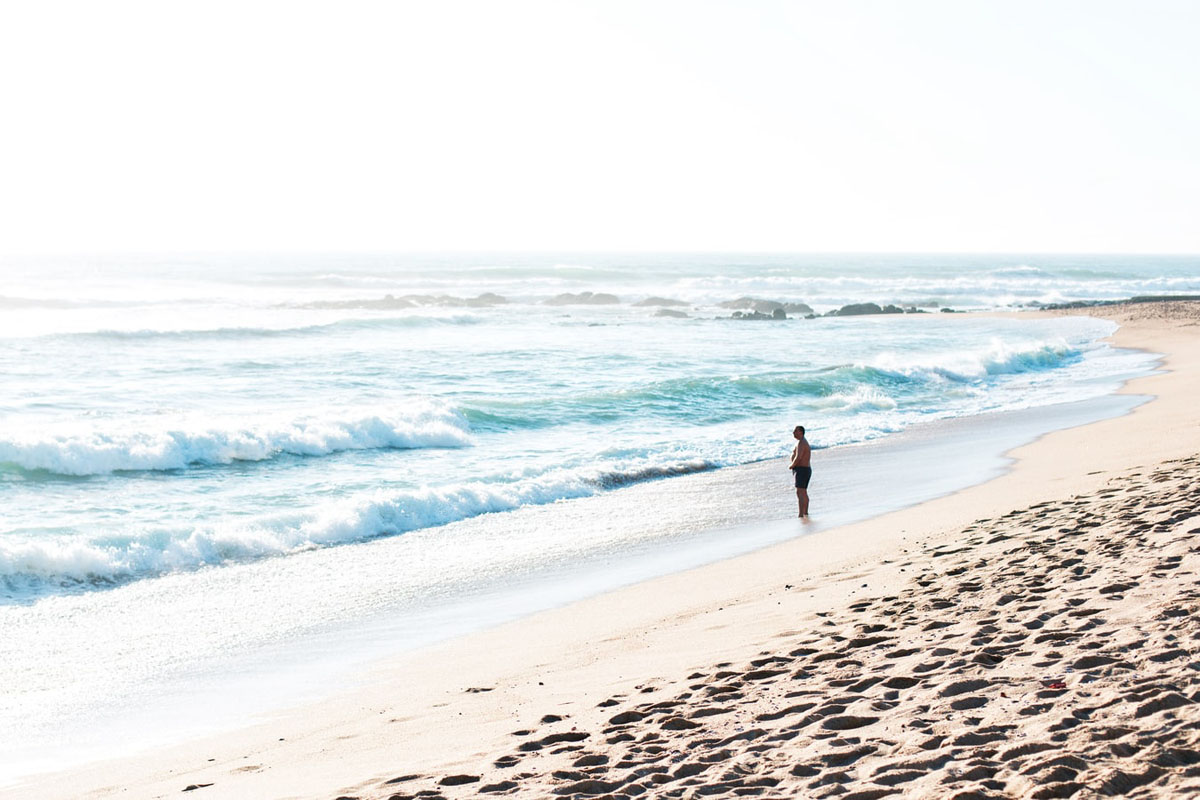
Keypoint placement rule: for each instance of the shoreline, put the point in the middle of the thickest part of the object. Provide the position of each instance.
(361, 607)
(301, 673)
(616, 642)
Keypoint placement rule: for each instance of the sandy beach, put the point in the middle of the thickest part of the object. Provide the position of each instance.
(1033, 636)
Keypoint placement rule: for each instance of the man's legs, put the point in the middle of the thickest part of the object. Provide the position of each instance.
(803, 495)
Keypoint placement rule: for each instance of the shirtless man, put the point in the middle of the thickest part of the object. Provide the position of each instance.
(801, 469)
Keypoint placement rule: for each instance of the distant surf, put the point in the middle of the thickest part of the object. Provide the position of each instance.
(162, 419)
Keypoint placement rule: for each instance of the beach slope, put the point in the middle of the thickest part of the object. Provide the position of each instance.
(1034, 636)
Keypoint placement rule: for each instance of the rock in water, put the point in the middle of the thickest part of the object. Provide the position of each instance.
(765, 306)
(658, 301)
(861, 309)
(778, 313)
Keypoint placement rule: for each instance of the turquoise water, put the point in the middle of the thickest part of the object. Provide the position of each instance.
(224, 480)
(161, 416)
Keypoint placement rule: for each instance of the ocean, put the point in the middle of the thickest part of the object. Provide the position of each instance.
(233, 477)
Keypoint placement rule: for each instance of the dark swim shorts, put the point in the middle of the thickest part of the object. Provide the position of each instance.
(803, 476)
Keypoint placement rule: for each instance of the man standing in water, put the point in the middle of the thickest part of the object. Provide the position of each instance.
(799, 466)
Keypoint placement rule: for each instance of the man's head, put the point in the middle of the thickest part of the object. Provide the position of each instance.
(798, 432)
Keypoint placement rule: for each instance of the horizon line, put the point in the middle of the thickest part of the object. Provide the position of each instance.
(571, 251)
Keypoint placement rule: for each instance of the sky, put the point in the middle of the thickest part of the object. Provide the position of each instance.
(752, 125)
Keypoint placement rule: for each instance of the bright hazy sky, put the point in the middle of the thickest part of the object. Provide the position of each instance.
(1011, 125)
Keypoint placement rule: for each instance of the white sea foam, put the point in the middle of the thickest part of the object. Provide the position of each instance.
(29, 565)
(140, 444)
(861, 399)
(998, 358)
(1000, 288)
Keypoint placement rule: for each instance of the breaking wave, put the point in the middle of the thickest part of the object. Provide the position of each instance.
(966, 366)
(48, 564)
(95, 450)
(882, 384)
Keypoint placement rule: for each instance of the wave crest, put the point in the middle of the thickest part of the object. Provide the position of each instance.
(967, 366)
(861, 398)
(81, 451)
(53, 564)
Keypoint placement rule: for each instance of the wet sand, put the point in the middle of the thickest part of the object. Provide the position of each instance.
(1053, 652)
